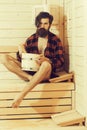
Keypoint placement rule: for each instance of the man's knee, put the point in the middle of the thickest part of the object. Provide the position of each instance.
(47, 65)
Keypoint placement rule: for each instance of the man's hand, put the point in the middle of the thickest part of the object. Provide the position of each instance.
(41, 58)
(21, 49)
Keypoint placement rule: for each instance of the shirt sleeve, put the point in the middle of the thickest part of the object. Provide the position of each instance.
(27, 44)
(58, 59)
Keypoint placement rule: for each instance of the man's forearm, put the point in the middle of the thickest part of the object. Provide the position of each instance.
(22, 49)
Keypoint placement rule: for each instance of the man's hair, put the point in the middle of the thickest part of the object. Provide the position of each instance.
(43, 15)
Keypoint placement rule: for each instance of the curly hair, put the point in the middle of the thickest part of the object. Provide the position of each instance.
(43, 15)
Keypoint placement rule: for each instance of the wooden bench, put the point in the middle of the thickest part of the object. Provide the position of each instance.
(7, 75)
(42, 102)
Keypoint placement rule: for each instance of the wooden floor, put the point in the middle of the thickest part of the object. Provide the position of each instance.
(35, 125)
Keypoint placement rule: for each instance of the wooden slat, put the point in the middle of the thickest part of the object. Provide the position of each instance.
(51, 94)
(8, 75)
(26, 116)
(40, 87)
(38, 102)
(13, 81)
(8, 49)
(21, 2)
(33, 110)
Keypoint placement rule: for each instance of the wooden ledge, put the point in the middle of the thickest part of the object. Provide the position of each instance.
(65, 86)
(62, 77)
(68, 118)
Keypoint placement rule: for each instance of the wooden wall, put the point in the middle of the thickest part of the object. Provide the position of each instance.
(76, 47)
(17, 23)
(16, 19)
(85, 59)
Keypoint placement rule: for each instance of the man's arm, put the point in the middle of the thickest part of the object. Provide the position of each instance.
(58, 60)
(21, 48)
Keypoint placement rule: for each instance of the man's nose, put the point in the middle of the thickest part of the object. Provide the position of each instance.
(42, 26)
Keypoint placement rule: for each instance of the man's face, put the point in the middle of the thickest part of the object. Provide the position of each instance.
(44, 23)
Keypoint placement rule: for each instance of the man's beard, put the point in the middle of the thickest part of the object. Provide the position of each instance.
(42, 32)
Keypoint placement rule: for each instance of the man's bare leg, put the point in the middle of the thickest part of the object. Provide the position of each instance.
(43, 74)
(14, 66)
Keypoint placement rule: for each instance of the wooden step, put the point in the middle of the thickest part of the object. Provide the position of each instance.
(68, 118)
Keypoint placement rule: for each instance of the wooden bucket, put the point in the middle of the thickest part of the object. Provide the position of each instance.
(29, 62)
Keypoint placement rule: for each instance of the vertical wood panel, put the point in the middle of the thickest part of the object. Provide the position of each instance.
(77, 23)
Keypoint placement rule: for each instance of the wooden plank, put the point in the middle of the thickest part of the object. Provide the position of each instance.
(21, 2)
(26, 116)
(8, 49)
(62, 78)
(41, 127)
(38, 102)
(51, 94)
(39, 124)
(13, 81)
(7, 124)
(12, 7)
(40, 87)
(74, 121)
(8, 75)
(33, 110)
(13, 125)
(73, 100)
(68, 118)
(26, 124)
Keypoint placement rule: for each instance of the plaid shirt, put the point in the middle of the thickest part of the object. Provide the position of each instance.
(53, 51)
